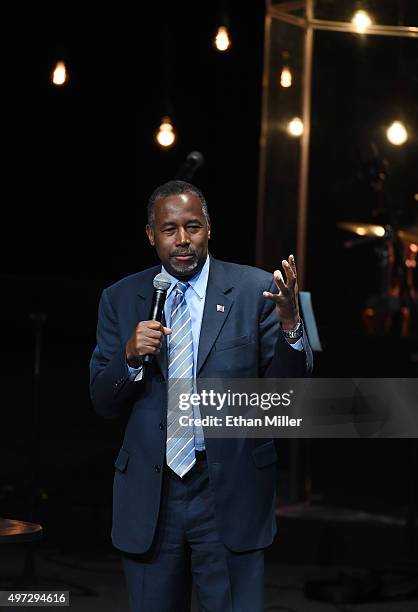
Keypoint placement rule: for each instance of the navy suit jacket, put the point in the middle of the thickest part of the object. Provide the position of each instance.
(244, 341)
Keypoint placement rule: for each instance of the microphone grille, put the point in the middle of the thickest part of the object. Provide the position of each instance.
(162, 282)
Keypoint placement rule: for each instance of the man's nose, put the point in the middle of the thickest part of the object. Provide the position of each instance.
(182, 236)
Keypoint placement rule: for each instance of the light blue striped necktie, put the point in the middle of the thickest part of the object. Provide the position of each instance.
(180, 439)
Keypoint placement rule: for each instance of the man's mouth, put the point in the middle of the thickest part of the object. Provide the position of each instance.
(188, 257)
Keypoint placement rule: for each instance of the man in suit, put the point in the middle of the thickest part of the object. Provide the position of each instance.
(187, 508)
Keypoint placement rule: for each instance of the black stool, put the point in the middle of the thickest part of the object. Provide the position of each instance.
(20, 532)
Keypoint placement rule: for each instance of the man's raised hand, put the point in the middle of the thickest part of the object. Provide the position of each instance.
(286, 299)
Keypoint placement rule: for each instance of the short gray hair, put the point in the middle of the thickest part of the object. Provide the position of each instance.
(175, 188)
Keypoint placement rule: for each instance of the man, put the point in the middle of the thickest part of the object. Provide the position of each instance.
(186, 507)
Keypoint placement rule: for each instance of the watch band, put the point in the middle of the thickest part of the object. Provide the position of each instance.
(295, 333)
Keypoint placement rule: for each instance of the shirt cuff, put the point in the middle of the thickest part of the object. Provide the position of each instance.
(298, 345)
(135, 374)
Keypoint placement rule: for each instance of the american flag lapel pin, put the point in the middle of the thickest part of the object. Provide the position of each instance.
(220, 308)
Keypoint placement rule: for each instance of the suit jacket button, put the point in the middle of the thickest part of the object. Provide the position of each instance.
(162, 426)
(157, 468)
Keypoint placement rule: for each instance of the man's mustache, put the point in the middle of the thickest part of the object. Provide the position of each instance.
(182, 253)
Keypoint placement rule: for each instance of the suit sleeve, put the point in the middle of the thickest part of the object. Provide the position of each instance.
(277, 358)
(111, 388)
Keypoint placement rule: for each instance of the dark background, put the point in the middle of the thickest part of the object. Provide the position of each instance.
(79, 164)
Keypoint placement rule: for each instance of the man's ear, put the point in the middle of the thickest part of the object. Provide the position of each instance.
(208, 232)
(150, 234)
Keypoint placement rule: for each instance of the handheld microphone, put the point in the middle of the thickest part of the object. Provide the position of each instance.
(161, 284)
(193, 161)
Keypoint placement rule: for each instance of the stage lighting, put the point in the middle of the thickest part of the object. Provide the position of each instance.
(165, 135)
(361, 20)
(397, 134)
(222, 40)
(59, 75)
(295, 127)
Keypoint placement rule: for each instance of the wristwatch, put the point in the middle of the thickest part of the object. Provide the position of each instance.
(295, 333)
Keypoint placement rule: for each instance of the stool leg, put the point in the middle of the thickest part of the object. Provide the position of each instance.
(28, 574)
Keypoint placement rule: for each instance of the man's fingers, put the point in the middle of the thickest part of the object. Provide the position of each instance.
(283, 287)
(278, 279)
(268, 295)
(293, 264)
(152, 325)
(153, 329)
(149, 339)
(151, 333)
(154, 342)
(150, 349)
(290, 275)
(274, 297)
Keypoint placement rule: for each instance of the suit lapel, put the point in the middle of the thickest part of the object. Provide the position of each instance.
(215, 313)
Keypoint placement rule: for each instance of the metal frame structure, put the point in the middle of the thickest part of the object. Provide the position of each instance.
(285, 12)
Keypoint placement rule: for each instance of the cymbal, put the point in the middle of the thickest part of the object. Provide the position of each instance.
(409, 235)
(362, 229)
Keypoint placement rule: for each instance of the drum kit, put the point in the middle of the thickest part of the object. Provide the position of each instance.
(394, 309)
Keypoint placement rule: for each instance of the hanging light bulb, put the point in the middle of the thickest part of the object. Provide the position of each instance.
(59, 75)
(285, 74)
(397, 133)
(286, 77)
(361, 21)
(222, 40)
(165, 135)
(295, 127)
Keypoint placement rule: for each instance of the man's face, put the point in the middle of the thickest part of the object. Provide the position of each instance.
(180, 234)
